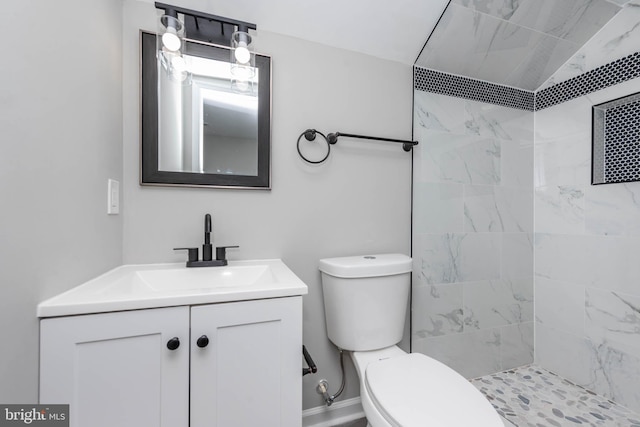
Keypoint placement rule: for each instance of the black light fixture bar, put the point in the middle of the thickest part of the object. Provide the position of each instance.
(170, 10)
(332, 138)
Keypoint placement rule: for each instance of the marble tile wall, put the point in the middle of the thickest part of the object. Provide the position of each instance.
(586, 246)
(473, 234)
(497, 188)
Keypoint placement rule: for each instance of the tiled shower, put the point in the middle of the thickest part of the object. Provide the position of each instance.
(473, 234)
(518, 258)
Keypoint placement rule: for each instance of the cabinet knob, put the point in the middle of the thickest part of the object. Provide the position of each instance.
(203, 341)
(173, 343)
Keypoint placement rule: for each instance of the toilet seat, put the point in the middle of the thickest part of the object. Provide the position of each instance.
(416, 390)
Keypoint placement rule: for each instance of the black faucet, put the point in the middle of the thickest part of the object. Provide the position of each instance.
(207, 250)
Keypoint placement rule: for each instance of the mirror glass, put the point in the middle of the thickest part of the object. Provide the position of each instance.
(204, 129)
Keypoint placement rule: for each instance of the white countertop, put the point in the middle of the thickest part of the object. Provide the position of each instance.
(131, 287)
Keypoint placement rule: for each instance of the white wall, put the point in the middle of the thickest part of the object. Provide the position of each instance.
(358, 202)
(61, 121)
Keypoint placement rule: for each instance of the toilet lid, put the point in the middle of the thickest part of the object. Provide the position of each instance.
(416, 390)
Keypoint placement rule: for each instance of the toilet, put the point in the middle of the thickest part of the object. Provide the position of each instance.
(365, 300)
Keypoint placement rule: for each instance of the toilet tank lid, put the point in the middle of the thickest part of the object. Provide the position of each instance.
(366, 265)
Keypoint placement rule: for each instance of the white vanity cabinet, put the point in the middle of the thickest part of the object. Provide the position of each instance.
(250, 373)
(116, 369)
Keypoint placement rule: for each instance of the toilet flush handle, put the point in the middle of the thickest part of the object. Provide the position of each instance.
(312, 368)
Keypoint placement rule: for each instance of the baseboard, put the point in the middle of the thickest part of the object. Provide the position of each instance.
(338, 413)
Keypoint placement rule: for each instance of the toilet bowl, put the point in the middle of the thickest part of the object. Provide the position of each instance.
(365, 301)
(411, 389)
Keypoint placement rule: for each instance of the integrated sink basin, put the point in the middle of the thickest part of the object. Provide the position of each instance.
(178, 280)
(132, 287)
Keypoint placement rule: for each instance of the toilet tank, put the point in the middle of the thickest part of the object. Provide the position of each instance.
(365, 299)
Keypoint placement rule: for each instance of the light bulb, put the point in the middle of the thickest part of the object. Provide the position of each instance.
(242, 53)
(170, 40)
(242, 59)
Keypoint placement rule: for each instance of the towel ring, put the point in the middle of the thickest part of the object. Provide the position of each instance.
(310, 135)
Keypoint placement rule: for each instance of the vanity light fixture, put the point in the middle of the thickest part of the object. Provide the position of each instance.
(170, 43)
(210, 29)
(243, 67)
(242, 55)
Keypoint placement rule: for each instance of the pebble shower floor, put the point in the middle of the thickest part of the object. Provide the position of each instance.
(530, 396)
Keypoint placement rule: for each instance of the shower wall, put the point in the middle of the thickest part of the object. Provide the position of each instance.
(587, 243)
(472, 304)
(484, 181)
(587, 238)
(503, 205)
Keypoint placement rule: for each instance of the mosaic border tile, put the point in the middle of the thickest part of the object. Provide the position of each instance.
(610, 74)
(429, 80)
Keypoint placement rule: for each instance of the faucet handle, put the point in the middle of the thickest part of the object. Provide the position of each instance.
(193, 253)
(221, 252)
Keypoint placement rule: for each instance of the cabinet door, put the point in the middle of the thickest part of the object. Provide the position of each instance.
(250, 373)
(115, 369)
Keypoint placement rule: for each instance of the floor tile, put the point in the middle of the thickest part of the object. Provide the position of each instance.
(530, 396)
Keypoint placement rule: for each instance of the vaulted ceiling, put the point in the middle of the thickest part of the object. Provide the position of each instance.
(518, 43)
(394, 30)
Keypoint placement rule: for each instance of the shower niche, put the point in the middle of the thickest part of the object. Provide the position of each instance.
(616, 141)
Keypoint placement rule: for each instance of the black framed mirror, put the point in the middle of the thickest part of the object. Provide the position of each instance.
(202, 133)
